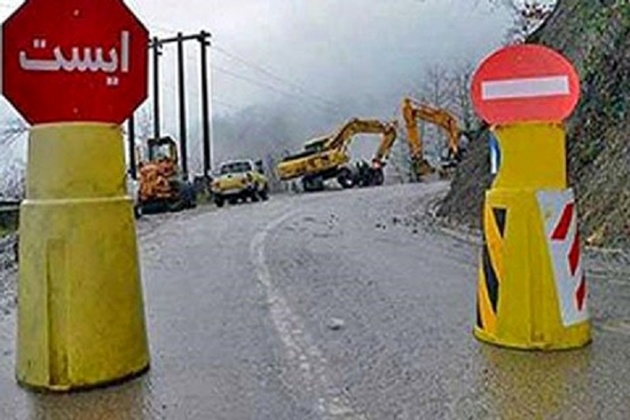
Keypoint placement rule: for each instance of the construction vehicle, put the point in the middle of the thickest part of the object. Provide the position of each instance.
(327, 157)
(163, 186)
(414, 111)
(240, 180)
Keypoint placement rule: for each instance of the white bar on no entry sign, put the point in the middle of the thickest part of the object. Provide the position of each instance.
(525, 88)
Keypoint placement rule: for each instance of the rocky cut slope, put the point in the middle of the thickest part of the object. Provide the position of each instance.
(595, 36)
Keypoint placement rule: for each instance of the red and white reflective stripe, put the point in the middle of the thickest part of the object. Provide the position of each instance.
(560, 222)
(525, 88)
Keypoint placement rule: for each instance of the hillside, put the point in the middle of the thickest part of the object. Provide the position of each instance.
(595, 36)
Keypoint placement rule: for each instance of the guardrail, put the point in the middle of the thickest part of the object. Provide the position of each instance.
(10, 204)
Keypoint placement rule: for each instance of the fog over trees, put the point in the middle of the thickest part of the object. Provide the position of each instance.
(296, 72)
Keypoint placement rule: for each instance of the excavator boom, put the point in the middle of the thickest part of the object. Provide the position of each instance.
(325, 157)
(343, 137)
(413, 133)
(414, 111)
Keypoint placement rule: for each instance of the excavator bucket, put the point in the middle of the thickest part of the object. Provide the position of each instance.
(423, 168)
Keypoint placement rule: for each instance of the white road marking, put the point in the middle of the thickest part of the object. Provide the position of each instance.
(525, 88)
(616, 326)
(305, 357)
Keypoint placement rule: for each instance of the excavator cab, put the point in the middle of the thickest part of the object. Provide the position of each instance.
(163, 148)
(260, 166)
(162, 186)
(327, 157)
(317, 145)
(312, 147)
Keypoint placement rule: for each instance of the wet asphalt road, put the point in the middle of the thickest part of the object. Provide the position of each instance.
(340, 305)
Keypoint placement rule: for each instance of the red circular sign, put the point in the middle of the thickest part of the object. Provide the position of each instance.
(74, 60)
(525, 83)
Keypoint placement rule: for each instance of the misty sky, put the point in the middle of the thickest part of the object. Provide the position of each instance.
(366, 50)
(363, 52)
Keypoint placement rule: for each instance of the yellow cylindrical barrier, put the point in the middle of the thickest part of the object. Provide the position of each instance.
(532, 289)
(80, 312)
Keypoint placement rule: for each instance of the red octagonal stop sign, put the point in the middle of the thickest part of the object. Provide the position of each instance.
(525, 83)
(74, 60)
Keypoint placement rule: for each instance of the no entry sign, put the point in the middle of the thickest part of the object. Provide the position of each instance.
(525, 83)
(74, 60)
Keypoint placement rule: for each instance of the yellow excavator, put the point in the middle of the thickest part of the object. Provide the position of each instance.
(327, 157)
(414, 111)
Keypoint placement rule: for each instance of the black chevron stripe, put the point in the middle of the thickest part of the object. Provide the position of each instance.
(492, 284)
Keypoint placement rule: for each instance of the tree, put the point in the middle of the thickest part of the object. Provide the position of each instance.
(13, 181)
(447, 88)
(144, 124)
(528, 15)
(435, 87)
(400, 161)
(460, 79)
(13, 172)
(435, 91)
(144, 130)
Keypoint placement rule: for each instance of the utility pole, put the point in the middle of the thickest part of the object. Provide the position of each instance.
(205, 107)
(156, 45)
(183, 135)
(179, 40)
(131, 134)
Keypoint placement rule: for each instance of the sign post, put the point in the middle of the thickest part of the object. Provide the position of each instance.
(76, 69)
(532, 290)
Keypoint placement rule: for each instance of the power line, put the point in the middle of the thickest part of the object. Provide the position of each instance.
(288, 89)
(273, 88)
(223, 103)
(161, 29)
(171, 85)
(272, 75)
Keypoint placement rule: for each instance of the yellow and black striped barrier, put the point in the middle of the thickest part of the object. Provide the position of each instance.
(532, 292)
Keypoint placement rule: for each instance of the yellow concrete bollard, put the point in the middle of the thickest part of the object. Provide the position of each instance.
(532, 290)
(80, 314)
